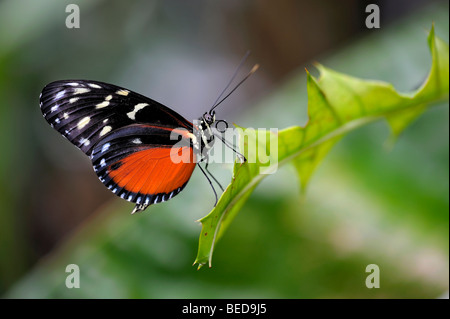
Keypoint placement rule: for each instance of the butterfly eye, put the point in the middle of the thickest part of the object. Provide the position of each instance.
(208, 118)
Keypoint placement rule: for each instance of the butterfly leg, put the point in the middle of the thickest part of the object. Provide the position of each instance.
(210, 183)
(242, 158)
(206, 160)
(212, 176)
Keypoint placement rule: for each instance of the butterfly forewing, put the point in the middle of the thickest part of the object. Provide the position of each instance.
(86, 111)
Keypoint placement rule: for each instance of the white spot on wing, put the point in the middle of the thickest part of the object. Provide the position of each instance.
(137, 141)
(101, 105)
(73, 84)
(137, 107)
(66, 116)
(108, 98)
(105, 147)
(105, 130)
(103, 162)
(54, 108)
(95, 86)
(85, 141)
(123, 92)
(80, 90)
(73, 100)
(60, 94)
(83, 122)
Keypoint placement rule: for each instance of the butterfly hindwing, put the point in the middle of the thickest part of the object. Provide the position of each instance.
(86, 111)
(142, 164)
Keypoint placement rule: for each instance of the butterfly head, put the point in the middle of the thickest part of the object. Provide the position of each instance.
(209, 118)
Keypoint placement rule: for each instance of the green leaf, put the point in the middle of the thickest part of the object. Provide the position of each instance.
(245, 178)
(402, 119)
(337, 104)
(437, 84)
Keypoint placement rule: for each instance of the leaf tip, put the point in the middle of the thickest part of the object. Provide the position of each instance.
(431, 35)
(238, 126)
(200, 265)
(318, 65)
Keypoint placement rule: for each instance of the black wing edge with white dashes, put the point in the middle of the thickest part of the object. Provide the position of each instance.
(85, 111)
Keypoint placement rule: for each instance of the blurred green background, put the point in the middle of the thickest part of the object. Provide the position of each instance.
(367, 203)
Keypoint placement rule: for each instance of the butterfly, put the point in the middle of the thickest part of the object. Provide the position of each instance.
(130, 138)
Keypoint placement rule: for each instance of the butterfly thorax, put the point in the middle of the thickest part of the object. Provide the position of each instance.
(204, 133)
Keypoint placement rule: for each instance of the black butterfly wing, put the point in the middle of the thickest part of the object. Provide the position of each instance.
(86, 111)
(126, 135)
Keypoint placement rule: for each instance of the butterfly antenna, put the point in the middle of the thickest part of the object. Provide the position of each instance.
(233, 77)
(253, 70)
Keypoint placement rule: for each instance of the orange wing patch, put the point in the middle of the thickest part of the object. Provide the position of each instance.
(155, 170)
